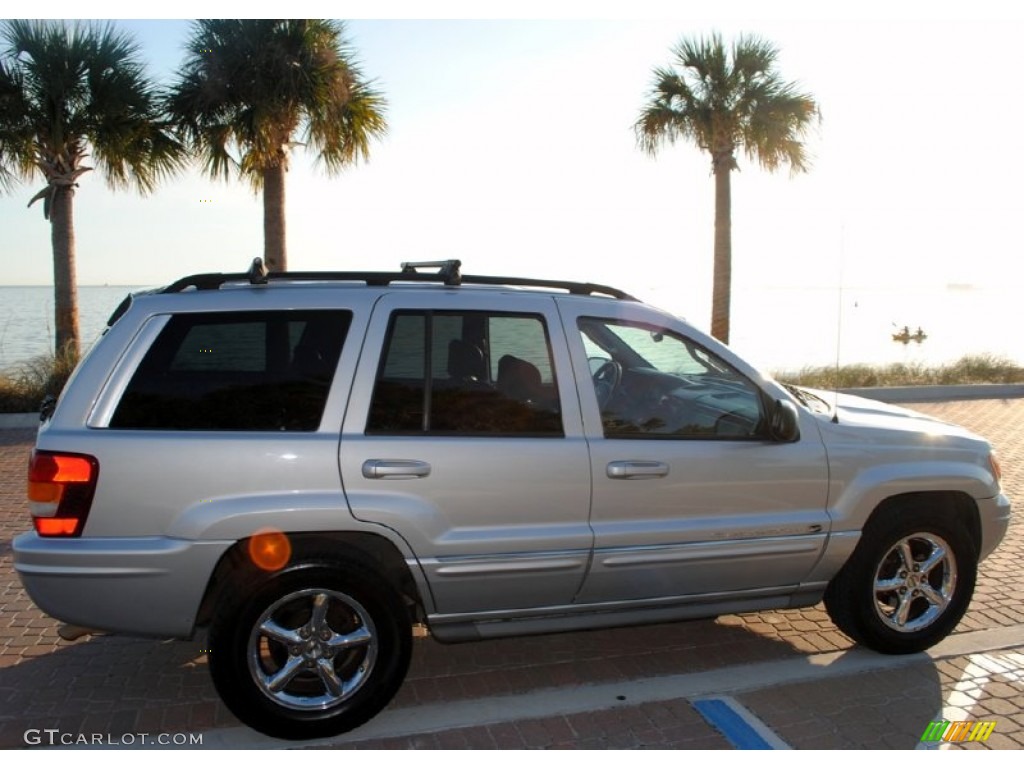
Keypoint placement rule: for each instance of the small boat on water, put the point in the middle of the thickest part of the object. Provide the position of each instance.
(905, 336)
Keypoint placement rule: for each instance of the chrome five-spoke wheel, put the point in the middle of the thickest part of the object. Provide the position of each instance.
(915, 582)
(909, 580)
(312, 649)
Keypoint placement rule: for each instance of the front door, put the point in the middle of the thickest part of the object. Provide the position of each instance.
(691, 496)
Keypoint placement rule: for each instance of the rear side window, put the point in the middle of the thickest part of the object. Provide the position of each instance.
(238, 371)
(466, 374)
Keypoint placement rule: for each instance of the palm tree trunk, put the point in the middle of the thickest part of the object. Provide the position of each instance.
(722, 286)
(275, 255)
(65, 295)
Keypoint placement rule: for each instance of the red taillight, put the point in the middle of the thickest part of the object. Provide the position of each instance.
(56, 526)
(60, 490)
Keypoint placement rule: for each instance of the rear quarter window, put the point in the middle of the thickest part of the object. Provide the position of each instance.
(238, 371)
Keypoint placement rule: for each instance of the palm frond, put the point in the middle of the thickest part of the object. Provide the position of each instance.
(674, 112)
(726, 99)
(72, 89)
(258, 87)
(15, 129)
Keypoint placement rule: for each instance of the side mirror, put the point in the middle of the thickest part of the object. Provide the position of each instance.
(785, 422)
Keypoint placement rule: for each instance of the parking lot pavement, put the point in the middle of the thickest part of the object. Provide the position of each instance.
(771, 679)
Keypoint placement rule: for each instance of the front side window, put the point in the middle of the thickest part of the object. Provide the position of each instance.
(652, 382)
(466, 373)
(236, 371)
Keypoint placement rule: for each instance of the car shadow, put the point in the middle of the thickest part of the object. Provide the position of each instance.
(109, 686)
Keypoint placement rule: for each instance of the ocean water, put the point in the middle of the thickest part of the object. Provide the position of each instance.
(784, 329)
(776, 329)
(26, 319)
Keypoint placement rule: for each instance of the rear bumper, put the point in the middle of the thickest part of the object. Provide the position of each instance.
(150, 586)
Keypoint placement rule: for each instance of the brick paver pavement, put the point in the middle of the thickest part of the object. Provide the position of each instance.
(116, 685)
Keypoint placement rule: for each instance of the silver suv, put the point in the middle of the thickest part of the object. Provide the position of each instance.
(311, 464)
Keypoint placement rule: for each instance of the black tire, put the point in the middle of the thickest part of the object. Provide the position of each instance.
(892, 606)
(314, 650)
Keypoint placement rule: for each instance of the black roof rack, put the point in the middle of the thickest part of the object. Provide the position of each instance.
(448, 273)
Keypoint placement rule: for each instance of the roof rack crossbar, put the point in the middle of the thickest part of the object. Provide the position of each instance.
(448, 274)
(448, 270)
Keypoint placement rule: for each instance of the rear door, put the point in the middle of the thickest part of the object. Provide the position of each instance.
(463, 434)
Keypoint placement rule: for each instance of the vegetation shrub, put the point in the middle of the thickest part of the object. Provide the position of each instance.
(970, 369)
(23, 388)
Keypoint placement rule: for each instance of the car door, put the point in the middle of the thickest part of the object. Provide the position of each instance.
(691, 495)
(464, 435)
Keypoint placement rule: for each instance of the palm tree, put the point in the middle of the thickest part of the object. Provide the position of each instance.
(68, 92)
(253, 86)
(724, 101)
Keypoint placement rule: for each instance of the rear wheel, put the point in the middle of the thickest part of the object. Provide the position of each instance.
(907, 584)
(312, 651)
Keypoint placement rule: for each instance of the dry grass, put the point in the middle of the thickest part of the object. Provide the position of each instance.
(970, 369)
(23, 388)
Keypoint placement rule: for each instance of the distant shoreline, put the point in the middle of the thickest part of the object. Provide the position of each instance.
(775, 330)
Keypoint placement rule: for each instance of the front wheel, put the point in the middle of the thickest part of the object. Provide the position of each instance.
(907, 584)
(313, 651)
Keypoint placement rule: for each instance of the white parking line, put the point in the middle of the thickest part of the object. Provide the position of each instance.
(965, 694)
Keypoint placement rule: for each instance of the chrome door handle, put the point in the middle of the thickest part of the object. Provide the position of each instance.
(376, 469)
(625, 470)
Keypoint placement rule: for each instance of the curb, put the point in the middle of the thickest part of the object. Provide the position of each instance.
(19, 420)
(936, 393)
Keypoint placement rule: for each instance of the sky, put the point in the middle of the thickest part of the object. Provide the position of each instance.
(511, 147)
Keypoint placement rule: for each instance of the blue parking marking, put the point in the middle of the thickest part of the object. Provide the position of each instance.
(731, 724)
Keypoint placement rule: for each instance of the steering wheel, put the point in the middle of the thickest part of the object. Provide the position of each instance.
(607, 379)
